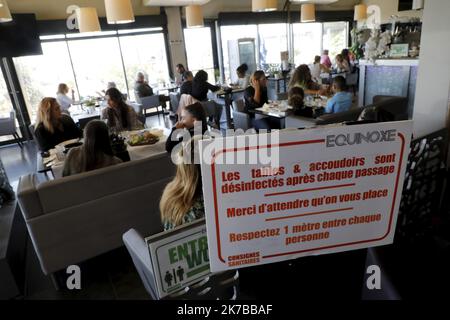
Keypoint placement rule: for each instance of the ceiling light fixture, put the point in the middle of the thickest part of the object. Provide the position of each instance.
(5, 14)
(88, 20)
(194, 16)
(119, 11)
(264, 5)
(308, 12)
(360, 12)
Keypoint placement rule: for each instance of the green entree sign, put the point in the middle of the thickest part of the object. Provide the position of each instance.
(179, 257)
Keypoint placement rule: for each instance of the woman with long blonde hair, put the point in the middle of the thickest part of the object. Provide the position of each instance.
(63, 99)
(52, 127)
(182, 199)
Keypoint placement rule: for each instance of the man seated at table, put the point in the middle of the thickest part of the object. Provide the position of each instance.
(342, 100)
(142, 89)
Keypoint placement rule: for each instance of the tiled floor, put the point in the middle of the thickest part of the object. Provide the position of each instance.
(110, 276)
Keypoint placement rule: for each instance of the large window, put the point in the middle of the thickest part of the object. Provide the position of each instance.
(230, 36)
(40, 75)
(199, 51)
(97, 62)
(307, 42)
(87, 65)
(5, 101)
(146, 53)
(335, 37)
(310, 39)
(273, 41)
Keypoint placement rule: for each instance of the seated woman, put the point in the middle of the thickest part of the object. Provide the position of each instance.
(256, 97)
(52, 126)
(95, 153)
(302, 78)
(296, 100)
(192, 117)
(342, 64)
(64, 101)
(317, 69)
(201, 86)
(120, 116)
(182, 199)
(243, 78)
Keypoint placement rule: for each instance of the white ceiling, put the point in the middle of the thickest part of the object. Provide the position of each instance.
(172, 3)
(56, 9)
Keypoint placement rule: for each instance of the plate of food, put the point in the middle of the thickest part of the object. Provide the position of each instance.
(142, 139)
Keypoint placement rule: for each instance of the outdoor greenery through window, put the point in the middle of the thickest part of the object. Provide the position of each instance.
(199, 51)
(87, 65)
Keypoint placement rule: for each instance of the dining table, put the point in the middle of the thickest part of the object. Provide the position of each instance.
(54, 160)
(226, 96)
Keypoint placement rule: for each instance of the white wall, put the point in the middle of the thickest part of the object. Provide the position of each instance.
(390, 7)
(432, 95)
(176, 37)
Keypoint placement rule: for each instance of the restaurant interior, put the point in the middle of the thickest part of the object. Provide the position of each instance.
(136, 71)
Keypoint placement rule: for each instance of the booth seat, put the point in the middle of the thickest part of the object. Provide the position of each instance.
(80, 217)
(383, 108)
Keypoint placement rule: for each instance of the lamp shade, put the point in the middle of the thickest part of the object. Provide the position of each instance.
(5, 14)
(88, 20)
(360, 12)
(308, 12)
(194, 16)
(119, 11)
(418, 4)
(264, 5)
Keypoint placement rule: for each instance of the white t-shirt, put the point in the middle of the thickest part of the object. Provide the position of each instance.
(316, 70)
(64, 101)
(244, 82)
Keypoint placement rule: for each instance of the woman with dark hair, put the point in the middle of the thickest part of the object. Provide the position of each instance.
(296, 100)
(200, 86)
(243, 77)
(256, 97)
(302, 78)
(120, 116)
(192, 117)
(95, 153)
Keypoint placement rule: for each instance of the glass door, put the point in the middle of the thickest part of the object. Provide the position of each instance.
(8, 117)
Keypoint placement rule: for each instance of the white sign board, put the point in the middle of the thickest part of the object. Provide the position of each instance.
(179, 257)
(331, 189)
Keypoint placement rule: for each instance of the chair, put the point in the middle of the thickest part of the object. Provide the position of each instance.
(8, 128)
(213, 113)
(222, 286)
(174, 101)
(241, 119)
(82, 123)
(151, 102)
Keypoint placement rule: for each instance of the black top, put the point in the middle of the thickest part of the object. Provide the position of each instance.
(186, 88)
(170, 145)
(200, 90)
(250, 103)
(47, 140)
